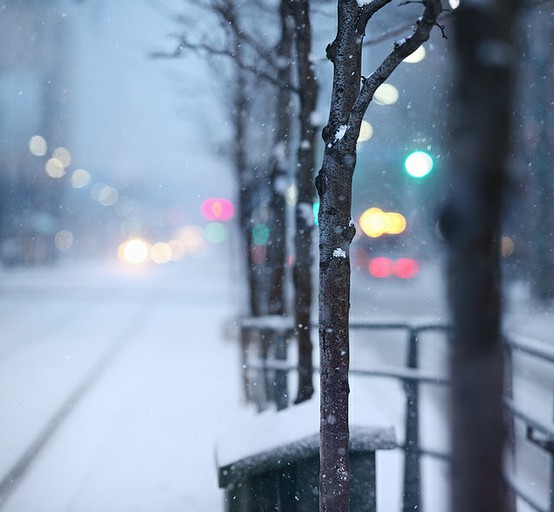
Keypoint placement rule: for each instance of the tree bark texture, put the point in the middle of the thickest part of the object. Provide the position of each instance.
(349, 101)
(471, 224)
(306, 192)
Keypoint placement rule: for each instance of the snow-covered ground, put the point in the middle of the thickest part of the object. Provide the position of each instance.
(140, 368)
(141, 438)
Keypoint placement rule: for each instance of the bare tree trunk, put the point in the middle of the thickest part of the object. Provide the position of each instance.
(471, 223)
(306, 192)
(277, 243)
(349, 103)
(334, 184)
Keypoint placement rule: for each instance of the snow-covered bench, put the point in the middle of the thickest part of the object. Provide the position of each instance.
(270, 461)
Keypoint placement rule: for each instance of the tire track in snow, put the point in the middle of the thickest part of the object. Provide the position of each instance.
(16, 474)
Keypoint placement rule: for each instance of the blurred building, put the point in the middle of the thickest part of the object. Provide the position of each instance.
(34, 55)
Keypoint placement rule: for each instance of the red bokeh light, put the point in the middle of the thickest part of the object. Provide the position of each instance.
(381, 267)
(217, 209)
(406, 268)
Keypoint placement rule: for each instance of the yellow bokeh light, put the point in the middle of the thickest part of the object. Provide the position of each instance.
(160, 253)
(135, 251)
(397, 223)
(63, 155)
(386, 94)
(192, 237)
(366, 131)
(374, 222)
(416, 56)
(54, 168)
(80, 178)
(38, 145)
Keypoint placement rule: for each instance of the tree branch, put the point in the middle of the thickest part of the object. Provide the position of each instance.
(402, 49)
(214, 51)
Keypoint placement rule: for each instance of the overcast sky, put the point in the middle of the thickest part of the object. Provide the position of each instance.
(136, 118)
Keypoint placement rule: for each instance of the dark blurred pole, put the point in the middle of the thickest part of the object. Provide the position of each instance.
(480, 132)
(541, 63)
(277, 245)
(303, 240)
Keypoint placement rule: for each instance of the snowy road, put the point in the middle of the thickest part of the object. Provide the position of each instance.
(162, 379)
(127, 378)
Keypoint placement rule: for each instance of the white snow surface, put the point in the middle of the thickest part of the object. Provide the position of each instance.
(142, 438)
(339, 253)
(275, 429)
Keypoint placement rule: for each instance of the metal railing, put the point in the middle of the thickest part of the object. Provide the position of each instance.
(412, 377)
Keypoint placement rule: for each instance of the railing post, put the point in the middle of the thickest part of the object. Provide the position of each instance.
(280, 396)
(245, 341)
(262, 390)
(411, 499)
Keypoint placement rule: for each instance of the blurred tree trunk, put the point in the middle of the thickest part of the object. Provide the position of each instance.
(471, 224)
(349, 103)
(303, 262)
(277, 246)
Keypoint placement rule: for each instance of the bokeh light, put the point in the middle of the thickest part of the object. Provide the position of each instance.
(406, 268)
(366, 131)
(374, 222)
(160, 253)
(63, 155)
(54, 168)
(419, 164)
(192, 238)
(135, 251)
(38, 145)
(386, 94)
(215, 232)
(259, 254)
(416, 56)
(381, 267)
(106, 195)
(80, 178)
(63, 240)
(217, 209)
(316, 213)
(260, 234)
(507, 246)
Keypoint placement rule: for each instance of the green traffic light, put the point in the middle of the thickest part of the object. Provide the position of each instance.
(418, 164)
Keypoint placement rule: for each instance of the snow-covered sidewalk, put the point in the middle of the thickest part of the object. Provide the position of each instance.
(163, 381)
